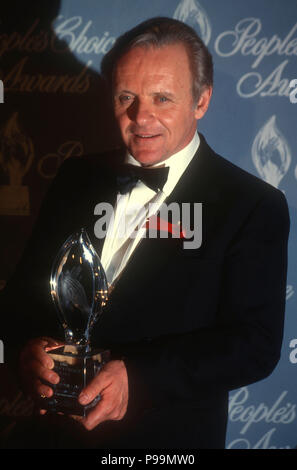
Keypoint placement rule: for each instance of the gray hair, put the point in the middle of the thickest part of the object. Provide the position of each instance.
(158, 32)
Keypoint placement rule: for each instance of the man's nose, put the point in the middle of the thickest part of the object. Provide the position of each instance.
(141, 112)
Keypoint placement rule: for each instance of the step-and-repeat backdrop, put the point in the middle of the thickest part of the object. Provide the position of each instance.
(53, 106)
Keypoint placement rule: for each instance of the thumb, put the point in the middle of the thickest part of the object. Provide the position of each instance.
(93, 389)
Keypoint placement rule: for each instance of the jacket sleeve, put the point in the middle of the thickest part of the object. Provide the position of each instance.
(25, 302)
(244, 343)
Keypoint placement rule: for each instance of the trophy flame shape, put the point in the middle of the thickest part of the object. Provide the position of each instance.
(16, 156)
(271, 154)
(17, 153)
(78, 287)
(80, 292)
(192, 13)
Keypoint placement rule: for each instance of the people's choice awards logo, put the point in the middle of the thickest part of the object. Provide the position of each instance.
(278, 412)
(16, 156)
(271, 154)
(192, 13)
(246, 39)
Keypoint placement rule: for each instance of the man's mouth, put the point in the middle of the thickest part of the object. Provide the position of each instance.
(146, 136)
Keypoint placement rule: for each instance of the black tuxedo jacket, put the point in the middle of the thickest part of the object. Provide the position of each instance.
(190, 324)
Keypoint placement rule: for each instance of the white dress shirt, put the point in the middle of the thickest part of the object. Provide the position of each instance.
(133, 209)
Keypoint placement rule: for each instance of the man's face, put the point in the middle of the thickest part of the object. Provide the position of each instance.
(153, 102)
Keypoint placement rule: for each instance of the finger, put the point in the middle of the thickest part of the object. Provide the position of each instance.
(39, 354)
(97, 415)
(51, 341)
(94, 388)
(42, 390)
(36, 388)
(76, 417)
(38, 348)
(34, 369)
(111, 407)
(42, 357)
(39, 395)
(38, 384)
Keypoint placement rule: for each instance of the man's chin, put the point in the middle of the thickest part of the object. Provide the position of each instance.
(148, 158)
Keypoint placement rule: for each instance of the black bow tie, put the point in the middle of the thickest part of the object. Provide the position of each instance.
(128, 175)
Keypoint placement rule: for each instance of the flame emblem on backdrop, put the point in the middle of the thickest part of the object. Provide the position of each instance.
(271, 153)
(16, 156)
(192, 13)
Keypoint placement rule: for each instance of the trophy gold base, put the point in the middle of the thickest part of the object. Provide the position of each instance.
(76, 368)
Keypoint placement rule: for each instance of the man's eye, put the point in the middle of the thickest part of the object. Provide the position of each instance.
(123, 99)
(162, 99)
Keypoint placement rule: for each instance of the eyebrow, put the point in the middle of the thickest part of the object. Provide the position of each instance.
(124, 91)
(155, 93)
(167, 93)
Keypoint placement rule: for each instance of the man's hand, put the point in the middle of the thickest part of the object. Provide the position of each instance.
(36, 365)
(112, 384)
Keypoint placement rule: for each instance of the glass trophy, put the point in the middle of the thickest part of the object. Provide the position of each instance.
(79, 291)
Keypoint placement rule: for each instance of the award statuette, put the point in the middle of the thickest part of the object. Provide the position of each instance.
(79, 290)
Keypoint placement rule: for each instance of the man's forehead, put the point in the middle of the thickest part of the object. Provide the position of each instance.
(169, 58)
(152, 50)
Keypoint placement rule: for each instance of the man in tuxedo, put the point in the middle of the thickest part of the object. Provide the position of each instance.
(184, 325)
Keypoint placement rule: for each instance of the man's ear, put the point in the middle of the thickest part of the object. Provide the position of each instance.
(203, 103)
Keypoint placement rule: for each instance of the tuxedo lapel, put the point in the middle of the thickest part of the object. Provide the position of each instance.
(196, 183)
